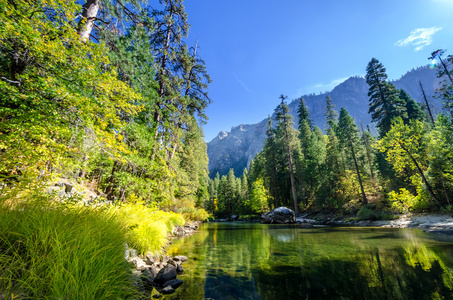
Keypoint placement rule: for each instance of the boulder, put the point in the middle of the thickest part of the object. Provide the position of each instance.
(280, 215)
(166, 274)
(180, 258)
(168, 290)
(138, 263)
(175, 283)
(148, 278)
(233, 218)
(179, 269)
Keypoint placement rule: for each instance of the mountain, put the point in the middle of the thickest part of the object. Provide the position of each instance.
(235, 149)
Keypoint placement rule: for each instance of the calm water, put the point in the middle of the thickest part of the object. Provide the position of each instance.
(256, 261)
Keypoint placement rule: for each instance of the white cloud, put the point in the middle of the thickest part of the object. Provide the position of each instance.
(419, 38)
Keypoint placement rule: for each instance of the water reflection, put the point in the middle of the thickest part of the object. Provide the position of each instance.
(254, 261)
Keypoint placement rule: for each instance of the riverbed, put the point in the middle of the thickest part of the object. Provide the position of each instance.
(258, 261)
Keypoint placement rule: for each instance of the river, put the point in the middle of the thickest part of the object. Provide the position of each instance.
(258, 261)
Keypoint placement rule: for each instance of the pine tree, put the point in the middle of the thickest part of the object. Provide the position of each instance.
(271, 163)
(414, 111)
(303, 114)
(330, 113)
(446, 89)
(286, 137)
(384, 102)
(349, 136)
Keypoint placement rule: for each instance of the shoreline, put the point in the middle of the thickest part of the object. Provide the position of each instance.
(430, 222)
(425, 221)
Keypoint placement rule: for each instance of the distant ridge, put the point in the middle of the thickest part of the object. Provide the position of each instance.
(235, 149)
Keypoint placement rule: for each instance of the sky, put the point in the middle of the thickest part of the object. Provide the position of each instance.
(256, 50)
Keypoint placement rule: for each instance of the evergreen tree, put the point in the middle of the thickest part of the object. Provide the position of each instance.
(349, 136)
(330, 113)
(446, 89)
(384, 102)
(303, 114)
(270, 161)
(286, 137)
(414, 111)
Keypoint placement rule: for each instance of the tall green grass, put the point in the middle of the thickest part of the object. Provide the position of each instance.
(53, 251)
(148, 228)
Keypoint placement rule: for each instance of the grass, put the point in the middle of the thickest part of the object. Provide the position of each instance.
(54, 251)
(148, 228)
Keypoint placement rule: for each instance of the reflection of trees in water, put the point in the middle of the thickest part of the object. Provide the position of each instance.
(255, 262)
(373, 274)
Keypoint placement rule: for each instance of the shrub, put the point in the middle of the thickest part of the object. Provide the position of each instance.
(402, 201)
(194, 214)
(148, 228)
(368, 212)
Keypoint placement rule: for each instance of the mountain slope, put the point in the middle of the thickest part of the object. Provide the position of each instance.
(235, 149)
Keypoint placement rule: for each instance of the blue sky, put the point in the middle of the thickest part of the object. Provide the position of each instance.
(256, 50)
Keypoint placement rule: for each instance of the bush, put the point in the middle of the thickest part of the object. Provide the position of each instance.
(50, 250)
(402, 201)
(148, 228)
(368, 212)
(194, 214)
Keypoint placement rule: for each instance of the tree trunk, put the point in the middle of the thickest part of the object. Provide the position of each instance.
(426, 102)
(86, 23)
(420, 171)
(293, 184)
(446, 70)
(365, 201)
(111, 181)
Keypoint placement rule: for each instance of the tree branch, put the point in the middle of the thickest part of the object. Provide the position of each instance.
(16, 82)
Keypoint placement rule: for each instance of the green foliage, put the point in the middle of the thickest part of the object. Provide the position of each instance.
(403, 201)
(384, 101)
(259, 197)
(368, 212)
(56, 251)
(194, 214)
(55, 85)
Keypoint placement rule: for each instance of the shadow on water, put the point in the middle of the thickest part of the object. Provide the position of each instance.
(285, 262)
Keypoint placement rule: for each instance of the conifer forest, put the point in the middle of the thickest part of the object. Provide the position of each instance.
(102, 108)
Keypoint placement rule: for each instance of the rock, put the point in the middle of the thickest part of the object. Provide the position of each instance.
(172, 262)
(132, 253)
(233, 218)
(280, 215)
(175, 283)
(136, 280)
(180, 258)
(157, 296)
(139, 263)
(166, 274)
(68, 187)
(179, 269)
(148, 276)
(168, 290)
(149, 258)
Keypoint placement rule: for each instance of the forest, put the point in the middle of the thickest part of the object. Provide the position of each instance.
(101, 108)
(108, 95)
(102, 105)
(401, 163)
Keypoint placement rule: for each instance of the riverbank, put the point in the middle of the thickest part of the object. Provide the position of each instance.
(442, 223)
